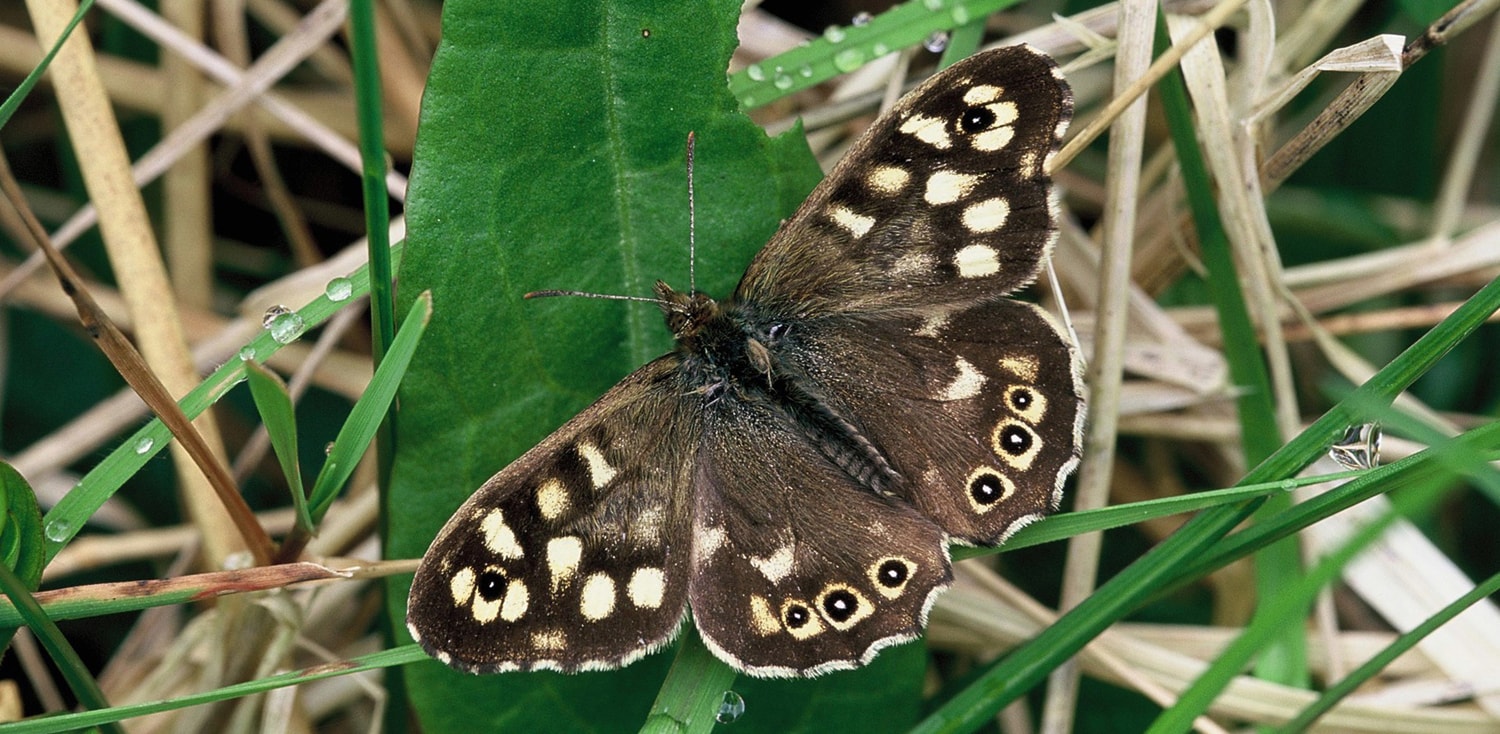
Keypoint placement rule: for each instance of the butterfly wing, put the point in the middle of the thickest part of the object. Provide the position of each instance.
(797, 569)
(575, 556)
(945, 199)
(978, 410)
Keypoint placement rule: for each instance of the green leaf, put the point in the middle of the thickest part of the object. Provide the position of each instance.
(565, 170)
(21, 544)
(274, 404)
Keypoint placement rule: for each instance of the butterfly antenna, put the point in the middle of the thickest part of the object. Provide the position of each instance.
(692, 220)
(586, 294)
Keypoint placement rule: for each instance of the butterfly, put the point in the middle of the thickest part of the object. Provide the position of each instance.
(794, 471)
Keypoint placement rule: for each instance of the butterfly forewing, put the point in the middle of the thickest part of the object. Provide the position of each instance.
(946, 199)
(575, 556)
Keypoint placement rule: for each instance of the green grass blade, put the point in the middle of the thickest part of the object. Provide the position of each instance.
(695, 687)
(69, 722)
(1290, 605)
(843, 49)
(18, 95)
(370, 410)
(1377, 663)
(274, 404)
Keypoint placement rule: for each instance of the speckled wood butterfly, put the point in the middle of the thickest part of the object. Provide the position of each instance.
(794, 470)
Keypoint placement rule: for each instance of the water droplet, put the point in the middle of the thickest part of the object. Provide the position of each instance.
(849, 59)
(783, 81)
(936, 42)
(144, 444)
(58, 531)
(286, 328)
(806, 71)
(932, 4)
(755, 73)
(1359, 448)
(880, 49)
(862, 19)
(833, 33)
(339, 289)
(960, 15)
(328, 448)
(731, 708)
(272, 314)
(247, 354)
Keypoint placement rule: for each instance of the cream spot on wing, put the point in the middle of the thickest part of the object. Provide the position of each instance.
(552, 499)
(550, 640)
(857, 224)
(977, 261)
(912, 263)
(934, 319)
(930, 130)
(649, 523)
(514, 605)
(1022, 366)
(462, 586)
(966, 385)
(982, 94)
(776, 566)
(1028, 165)
(563, 555)
(888, 179)
(762, 617)
(600, 472)
(994, 138)
(647, 587)
(498, 536)
(986, 216)
(946, 187)
(707, 540)
(597, 600)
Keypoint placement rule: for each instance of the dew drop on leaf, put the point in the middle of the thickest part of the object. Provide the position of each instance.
(936, 42)
(849, 59)
(144, 444)
(339, 289)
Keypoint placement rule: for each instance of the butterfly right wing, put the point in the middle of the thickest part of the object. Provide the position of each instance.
(575, 556)
(945, 200)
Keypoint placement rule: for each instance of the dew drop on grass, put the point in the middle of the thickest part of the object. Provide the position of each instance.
(144, 444)
(273, 313)
(286, 327)
(849, 59)
(862, 19)
(834, 34)
(936, 42)
(247, 354)
(932, 4)
(58, 531)
(755, 73)
(339, 289)
(731, 708)
(783, 82)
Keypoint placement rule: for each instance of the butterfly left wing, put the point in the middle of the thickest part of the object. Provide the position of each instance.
(573, 557)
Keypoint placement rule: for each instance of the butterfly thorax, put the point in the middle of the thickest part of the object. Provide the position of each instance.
(730, 351)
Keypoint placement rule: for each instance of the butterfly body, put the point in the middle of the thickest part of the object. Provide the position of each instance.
(794, 470)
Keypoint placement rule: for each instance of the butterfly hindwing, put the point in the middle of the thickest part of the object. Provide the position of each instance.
(978, 409)
(944, 200)
(797, 569)
(575, 556)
